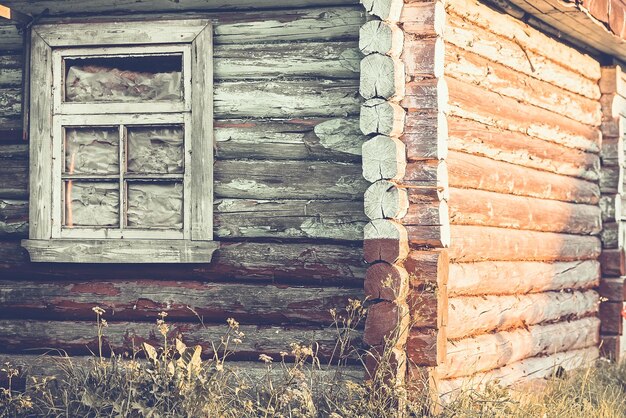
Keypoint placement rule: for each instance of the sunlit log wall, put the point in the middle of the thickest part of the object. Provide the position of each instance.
(524, 142)
(613, 89)
(288, 191)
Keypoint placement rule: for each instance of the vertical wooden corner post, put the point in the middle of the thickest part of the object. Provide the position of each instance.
(612, 284)
(404, 115)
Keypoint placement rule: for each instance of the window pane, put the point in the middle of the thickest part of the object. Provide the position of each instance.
(124, 79)
(154, 149)
(91, 203)
(155, 205)
(92, 150)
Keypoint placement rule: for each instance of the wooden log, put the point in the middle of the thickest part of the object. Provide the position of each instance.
(13, 218)
(428, 94)
(613, 127)
(296, 219)
(248, 61)
(429, 236)
(423, 57)
(383, 200)
(484, 106)
(10, 38)
(528, 38)
(388, 10)
(428, 213)
(277, 262)
(11, 70)
(428, 269)
(477, 207)
(10, 102)
(383, 158)
(429, 308)
(384, 281)
(183, 300)
(288, 179)
(393, 366)
(612, 179)
(491, 351)
(381, 76)
(611, 207)
(521, 277)
(612, 321)
(469, 67)
(338, 139)
(472, 315)
(612, 235)
(612, 152)
(80, 338)
(425, 19)
(387, 323)
(611, 80)
(470, 171)
(426, 135)
(381, 37)
(612, 105)
(513, 147)
(425, 347)
(610, 347)
(385, 240)
(613, 262)
(484, 42)
(613, 289)
(479, 243)
(519, 372)
(14, 171)
(379, 116)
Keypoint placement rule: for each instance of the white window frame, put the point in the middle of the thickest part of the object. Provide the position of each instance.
(50, 44)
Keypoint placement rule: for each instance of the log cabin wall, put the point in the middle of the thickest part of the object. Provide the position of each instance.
(288, 191)
(612, 285)
(524, 140)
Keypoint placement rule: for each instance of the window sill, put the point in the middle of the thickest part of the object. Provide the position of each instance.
(120, 251)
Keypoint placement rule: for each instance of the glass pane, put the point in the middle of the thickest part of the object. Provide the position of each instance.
(91, 203)
(155, 205)
(153, 149)
(92, 150)
(124, 79)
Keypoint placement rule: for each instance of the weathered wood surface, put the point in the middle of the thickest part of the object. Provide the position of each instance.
(611, 208)
(521, 371)
(612, 152)
(378, 116)
(183, 300)
(78, 338)
(482, 243)
(13, 218)
(425, 347)
(423, 57)
(490, 351)
(613, 262)
(612, 179)
(426, 19)
(278, 262)
(383, 200)
(381, 37)
(428, 269)
(469, 67)
(381, 76)
(612, 235)
(613, 289)
(610, 314)
(10, 38)
(389, 10)
(384, 281)
(612, 80)
(472, 102)
(384, 158)
(11, 70)
(471, 171)
(387, 321)
(477, 207)
(14, 171)
(521, 277)
(326, 219)
(472, 315)
(385, 240)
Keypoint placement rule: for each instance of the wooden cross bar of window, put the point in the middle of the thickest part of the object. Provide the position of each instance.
(12, 14)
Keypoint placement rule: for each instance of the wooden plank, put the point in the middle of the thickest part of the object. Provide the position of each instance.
(40, 129)
(119, 251)
(472, 315)
(183, 300)
(480, 243)
(471, 102)
(470, 171)
(477, 207)
(495, 77)
(80, 338)
(491, 351)
(276, 262)
(514, 147)
(202, 139)
(485, 43)
(521, 277)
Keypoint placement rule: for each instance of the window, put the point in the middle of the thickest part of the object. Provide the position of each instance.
(121, 139)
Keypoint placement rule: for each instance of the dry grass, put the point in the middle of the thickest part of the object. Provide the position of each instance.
(173, 381)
